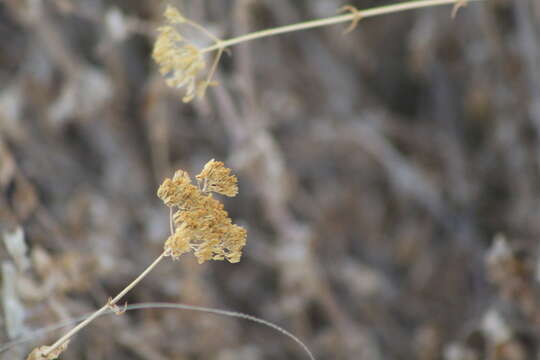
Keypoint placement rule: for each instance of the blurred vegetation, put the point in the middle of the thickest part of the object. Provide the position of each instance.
(376, 169)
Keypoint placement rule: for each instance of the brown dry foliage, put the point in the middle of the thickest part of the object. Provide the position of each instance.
(376, 169)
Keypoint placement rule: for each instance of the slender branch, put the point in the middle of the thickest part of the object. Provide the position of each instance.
(103, 309)
(387, 9)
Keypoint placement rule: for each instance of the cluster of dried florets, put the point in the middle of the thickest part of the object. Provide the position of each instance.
(178, 60)
(181, 63)
(200, 222)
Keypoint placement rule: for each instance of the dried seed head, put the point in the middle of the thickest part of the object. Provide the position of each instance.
(217, 178)
(181, 62)
(234, 242)
(179, 191)
(200, 221)
(177, 244)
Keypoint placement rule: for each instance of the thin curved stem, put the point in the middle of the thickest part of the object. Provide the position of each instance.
(387, 9)
(162, 305)
(225, 313)
(103, 309)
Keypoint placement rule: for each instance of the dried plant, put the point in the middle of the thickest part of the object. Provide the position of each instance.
(183, 64)
(155, 305)
(198, 222)
(180, 61)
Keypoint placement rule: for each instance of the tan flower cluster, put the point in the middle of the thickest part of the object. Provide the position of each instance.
(200, 222)
(180, 62)
(217, 178)
(178, 191)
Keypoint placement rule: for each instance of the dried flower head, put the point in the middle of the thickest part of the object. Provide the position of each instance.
(217, 178)
(181, 63)
(178, 243)
(200, 222)
(178, 191)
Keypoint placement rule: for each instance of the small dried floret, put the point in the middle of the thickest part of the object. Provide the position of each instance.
(201, 223)
(177, 244)
(179, 191)
(205, 215)
(234, 242)
(166, 192)
(173, 15)
(217, 178)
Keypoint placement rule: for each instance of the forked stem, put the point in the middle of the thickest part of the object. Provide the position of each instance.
(103, 309)
(381, 10)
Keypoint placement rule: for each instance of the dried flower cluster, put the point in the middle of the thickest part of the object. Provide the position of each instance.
(217, 178)
(181, 62)
(200, 222)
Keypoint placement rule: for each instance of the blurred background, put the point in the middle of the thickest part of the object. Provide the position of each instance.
(389, 180)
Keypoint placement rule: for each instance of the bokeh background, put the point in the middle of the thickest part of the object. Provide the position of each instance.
(389, 180)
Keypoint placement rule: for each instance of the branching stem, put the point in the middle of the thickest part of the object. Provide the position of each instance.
(103, 309)
(381, 10)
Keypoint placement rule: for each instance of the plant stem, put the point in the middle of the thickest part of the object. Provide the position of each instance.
(117, 298)
(387, 9)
